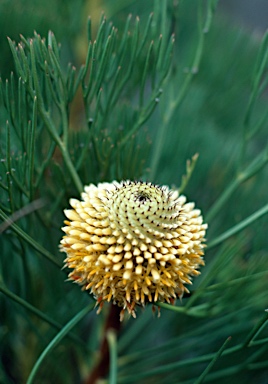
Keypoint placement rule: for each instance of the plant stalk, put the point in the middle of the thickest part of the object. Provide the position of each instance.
(102, 367)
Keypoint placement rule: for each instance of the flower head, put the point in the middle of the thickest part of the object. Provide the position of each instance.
(133, 243)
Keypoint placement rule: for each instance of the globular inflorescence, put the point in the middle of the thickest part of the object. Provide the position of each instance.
(133, 243)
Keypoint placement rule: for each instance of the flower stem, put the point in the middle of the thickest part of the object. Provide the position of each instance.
(102, 367)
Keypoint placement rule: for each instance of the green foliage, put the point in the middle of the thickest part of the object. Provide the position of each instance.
(139, 106)
(26, 16)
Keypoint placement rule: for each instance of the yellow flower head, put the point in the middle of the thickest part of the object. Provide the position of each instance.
(133, 243)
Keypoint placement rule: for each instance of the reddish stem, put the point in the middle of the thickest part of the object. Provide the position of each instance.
(102, 367)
